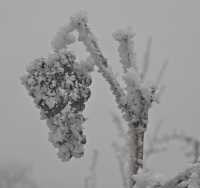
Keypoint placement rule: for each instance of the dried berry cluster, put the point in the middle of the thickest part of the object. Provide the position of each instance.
(59, 86)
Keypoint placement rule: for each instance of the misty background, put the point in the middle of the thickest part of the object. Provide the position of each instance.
(26, 30)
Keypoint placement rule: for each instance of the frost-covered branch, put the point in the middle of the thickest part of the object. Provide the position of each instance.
(188, 178)
(125, 49)
(125, 60)
(78, 21)
(138, 100)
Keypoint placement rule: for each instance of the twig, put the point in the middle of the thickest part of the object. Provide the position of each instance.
(90, 181)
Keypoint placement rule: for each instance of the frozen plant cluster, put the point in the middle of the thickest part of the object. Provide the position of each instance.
(60, 87)
(137, 97)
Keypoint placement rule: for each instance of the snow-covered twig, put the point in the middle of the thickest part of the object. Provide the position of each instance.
(187, 178)
(138, 101)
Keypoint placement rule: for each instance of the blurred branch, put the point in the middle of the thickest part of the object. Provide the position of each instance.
(146, 65)
(189, 140)
(120, 128)
(122, 158)
(162, 71)
(121, 151)
(146, 59)
(90, 181)
(162, 89)
(15, 175)
(153, 144)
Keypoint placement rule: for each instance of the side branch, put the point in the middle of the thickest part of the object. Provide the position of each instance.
(186, 177)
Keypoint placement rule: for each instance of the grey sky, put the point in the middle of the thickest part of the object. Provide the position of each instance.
(26, 29)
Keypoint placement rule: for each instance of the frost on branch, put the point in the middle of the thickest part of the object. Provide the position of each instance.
(59, 86)
(137, 101)
(188, 178)
(148, 179)
(126, 53)
(78, 22)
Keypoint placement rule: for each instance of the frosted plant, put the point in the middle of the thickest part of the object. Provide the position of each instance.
(60, 87)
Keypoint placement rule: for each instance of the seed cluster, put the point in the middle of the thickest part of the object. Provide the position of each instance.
(60, 87)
